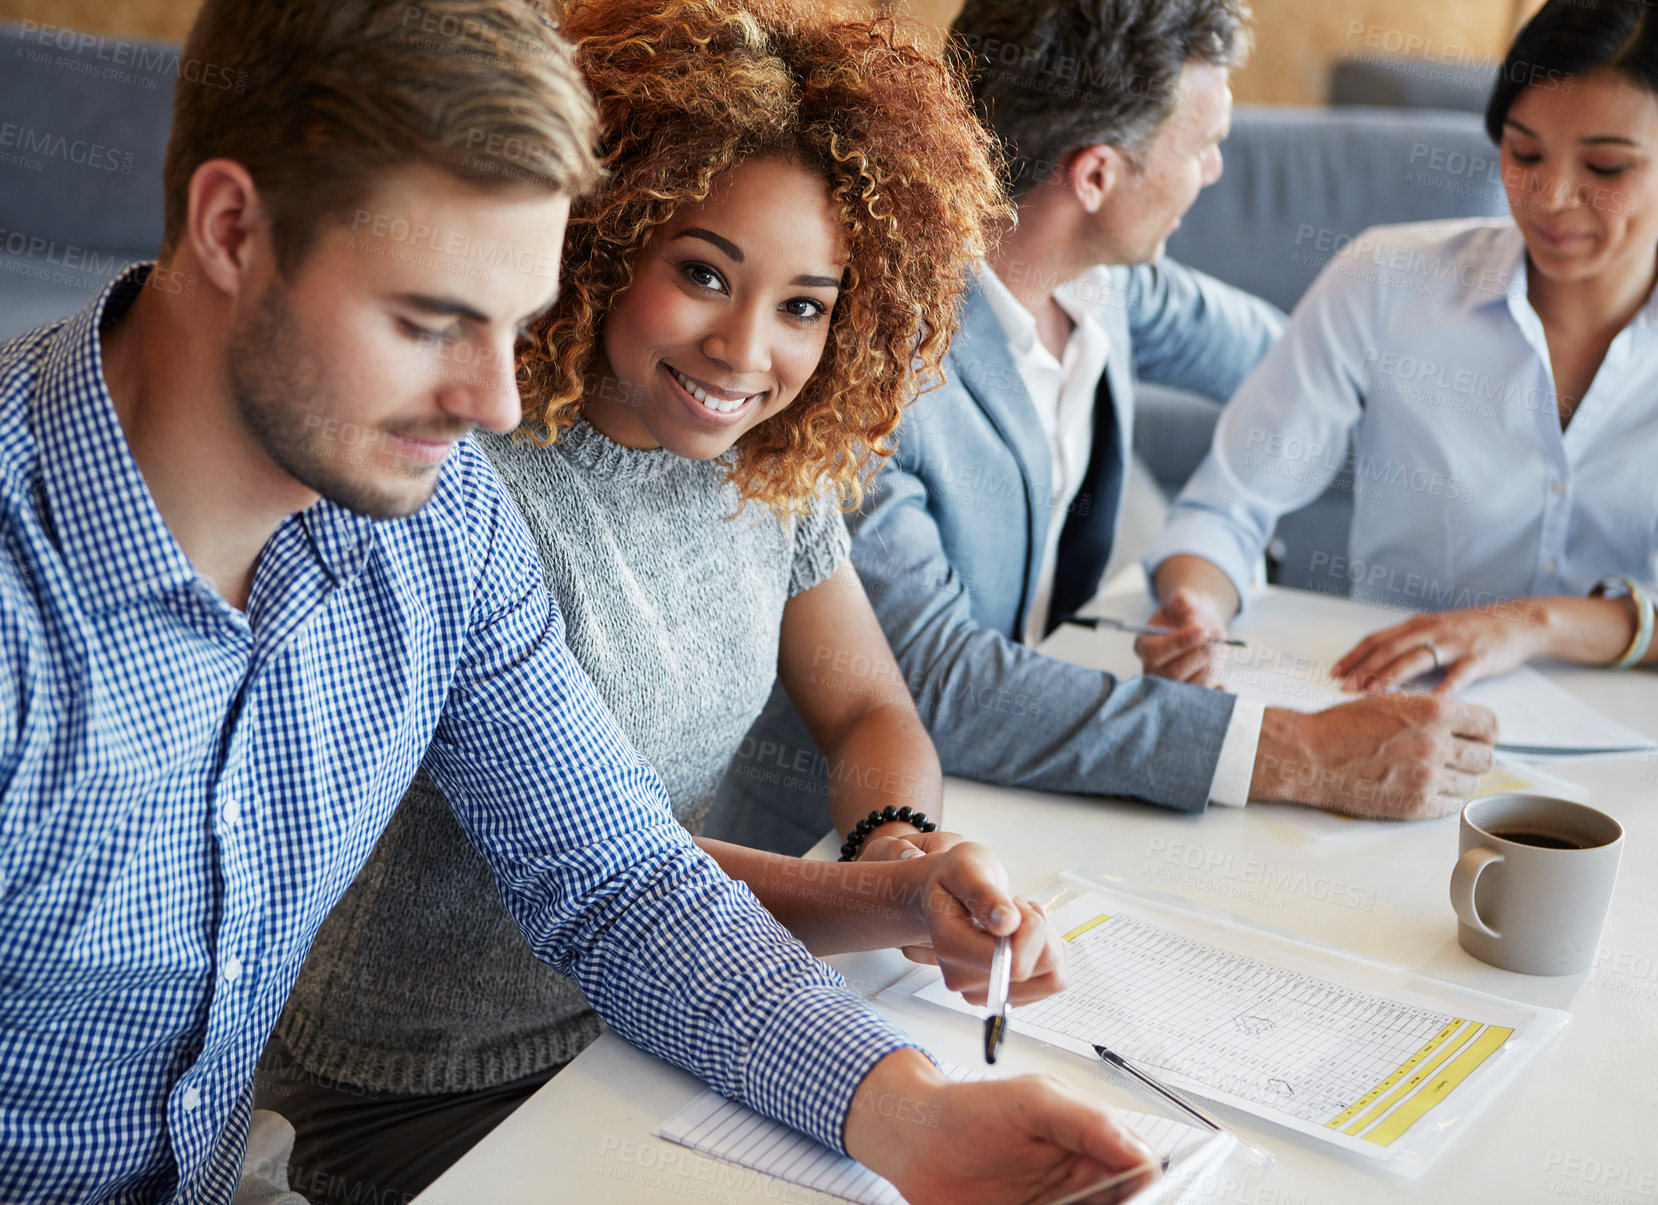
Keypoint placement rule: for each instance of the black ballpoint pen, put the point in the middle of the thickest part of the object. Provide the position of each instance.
(1257, 1154)
(1139, 629)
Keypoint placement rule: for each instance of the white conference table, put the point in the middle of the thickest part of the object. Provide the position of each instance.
(1579, 1123)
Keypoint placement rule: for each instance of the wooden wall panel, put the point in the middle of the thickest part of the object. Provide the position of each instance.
(162, 20)
(1296, 41)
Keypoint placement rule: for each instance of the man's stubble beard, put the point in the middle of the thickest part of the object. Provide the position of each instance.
(280, 398)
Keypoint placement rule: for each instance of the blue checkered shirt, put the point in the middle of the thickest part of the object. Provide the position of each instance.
(185, 790)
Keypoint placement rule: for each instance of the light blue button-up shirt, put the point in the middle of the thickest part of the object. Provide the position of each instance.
(186, 788)
(1419, 343)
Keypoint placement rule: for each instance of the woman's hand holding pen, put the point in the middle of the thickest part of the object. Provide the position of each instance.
(1186, 655)
(961, 899)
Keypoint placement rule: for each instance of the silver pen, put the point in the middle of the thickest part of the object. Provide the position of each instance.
(1257, 1154)
(1001, 981)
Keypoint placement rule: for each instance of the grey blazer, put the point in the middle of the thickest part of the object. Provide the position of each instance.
(948, 546)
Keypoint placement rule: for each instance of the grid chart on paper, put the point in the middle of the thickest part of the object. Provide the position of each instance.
(1315, 1050)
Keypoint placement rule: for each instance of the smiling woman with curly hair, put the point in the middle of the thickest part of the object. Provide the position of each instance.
(766, 277)
(688, 90)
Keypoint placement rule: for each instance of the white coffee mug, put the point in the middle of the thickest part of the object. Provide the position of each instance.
(1533, 882)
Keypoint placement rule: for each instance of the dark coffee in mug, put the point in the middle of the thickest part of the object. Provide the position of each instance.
(1533, 881)
(1543, 840)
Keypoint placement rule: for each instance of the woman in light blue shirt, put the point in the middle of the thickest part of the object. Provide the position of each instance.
(1498, 380)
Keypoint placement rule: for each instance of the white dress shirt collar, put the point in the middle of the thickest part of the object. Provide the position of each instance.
(1062, 394)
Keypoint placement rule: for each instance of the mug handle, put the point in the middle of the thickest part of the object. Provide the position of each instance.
(1464, 879)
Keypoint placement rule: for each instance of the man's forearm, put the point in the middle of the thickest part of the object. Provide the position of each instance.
(832, 907)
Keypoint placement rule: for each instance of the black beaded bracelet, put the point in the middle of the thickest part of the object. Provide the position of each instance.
(886, 815)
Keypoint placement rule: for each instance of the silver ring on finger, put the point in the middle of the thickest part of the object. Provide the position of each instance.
(1433, 651)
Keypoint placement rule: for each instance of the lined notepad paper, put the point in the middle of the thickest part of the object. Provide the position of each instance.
(712, 1125)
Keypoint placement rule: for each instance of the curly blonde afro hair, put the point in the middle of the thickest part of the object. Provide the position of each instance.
(685, 90)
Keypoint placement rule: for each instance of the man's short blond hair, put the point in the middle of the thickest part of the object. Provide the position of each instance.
(318, 98)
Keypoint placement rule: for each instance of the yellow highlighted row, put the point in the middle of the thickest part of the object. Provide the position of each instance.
(1404, 1069)
(1411, 1111)
(1416, 1080)
(1419, 1067)
(1085, 926)
(1498, 782)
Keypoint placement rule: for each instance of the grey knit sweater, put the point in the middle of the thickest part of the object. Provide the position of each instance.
(419, 981)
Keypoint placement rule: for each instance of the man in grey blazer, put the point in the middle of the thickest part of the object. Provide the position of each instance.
(997, 514)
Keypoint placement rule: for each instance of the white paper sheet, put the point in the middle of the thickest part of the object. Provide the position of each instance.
(1380, 1074)
(723, 1129)
(1536, 718)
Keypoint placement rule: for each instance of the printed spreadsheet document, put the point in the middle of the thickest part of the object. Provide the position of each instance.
(1352, 1067)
